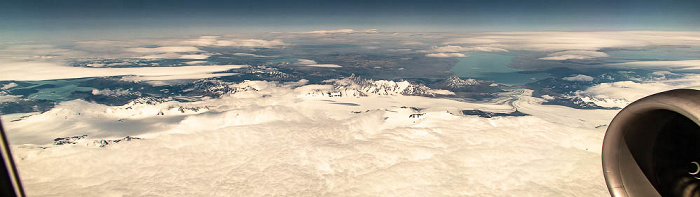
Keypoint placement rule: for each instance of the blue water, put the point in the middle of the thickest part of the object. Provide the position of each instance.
(493, 67)
(61, 91)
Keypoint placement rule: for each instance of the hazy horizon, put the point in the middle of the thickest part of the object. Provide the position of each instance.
(41, 20)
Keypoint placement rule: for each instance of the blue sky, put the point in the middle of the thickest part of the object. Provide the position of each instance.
(32, 18)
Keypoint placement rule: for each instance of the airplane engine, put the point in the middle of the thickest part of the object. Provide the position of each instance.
(652, 147)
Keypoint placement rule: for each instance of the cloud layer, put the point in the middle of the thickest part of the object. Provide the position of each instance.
(342, 31)
(620, 94)
(446, 55)
(574, 45)
(576, 55)
(219, 41)
(32, 71)
(587, 41)
(579, 78)
(678, 64)
(312, 63)
(460, 51)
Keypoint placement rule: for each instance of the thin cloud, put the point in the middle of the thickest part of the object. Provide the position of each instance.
(325, 65)
(312, 63)
(251, 55)
(33, 71)
(342, 31)
(578, 78)
(677, 64)
(446, 55)
(622, 93)
(165, 49)
(568, 55)
(219, 41)
(453, 49)
(587, 41)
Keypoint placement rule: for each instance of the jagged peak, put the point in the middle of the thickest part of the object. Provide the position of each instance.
(355, 85)
(455, 81)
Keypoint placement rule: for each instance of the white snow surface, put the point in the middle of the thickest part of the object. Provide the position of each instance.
(622, 93)
(279, 141)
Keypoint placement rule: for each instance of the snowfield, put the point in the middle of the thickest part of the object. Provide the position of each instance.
(282, 141)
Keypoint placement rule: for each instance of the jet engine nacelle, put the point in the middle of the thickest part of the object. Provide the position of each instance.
(652, 147)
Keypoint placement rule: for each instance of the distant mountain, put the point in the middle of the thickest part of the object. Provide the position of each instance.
(456, 84)
(215, 88)
(357, 86)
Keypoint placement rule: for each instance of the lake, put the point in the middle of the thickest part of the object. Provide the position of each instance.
(493, 67)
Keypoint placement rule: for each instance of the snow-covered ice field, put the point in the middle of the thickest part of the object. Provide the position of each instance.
(283, 141)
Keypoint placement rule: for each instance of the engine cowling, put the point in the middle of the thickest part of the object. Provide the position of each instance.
(652, 146)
